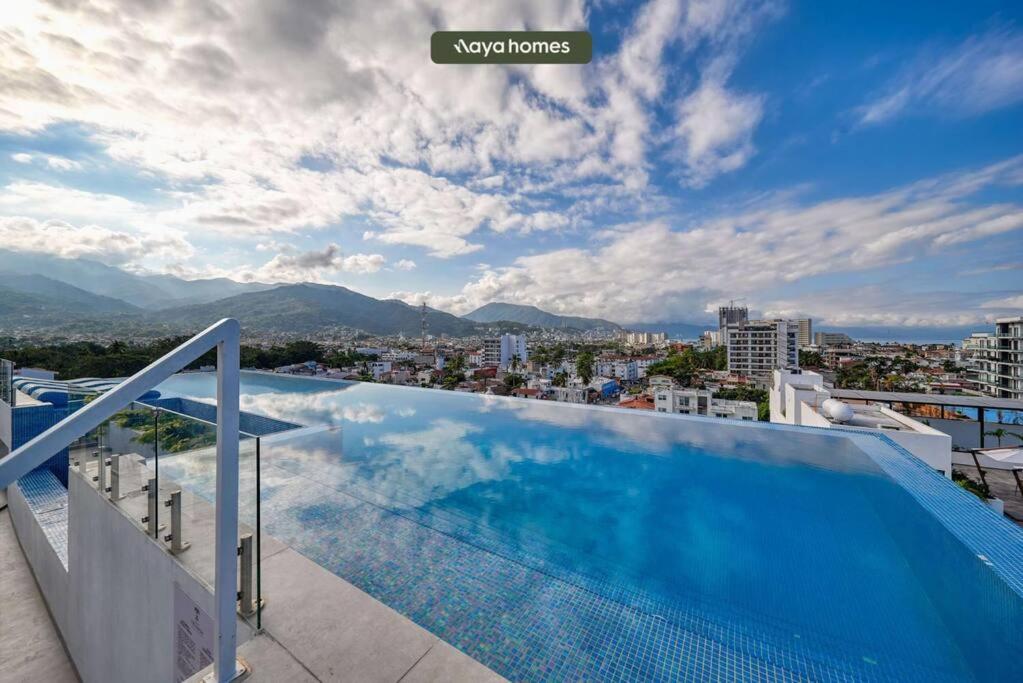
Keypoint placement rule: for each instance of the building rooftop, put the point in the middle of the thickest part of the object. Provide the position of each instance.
(870, 417)
(928, 399)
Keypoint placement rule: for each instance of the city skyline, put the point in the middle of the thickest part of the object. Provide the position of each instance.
(777, 153)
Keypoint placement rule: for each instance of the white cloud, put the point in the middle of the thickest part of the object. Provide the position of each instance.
(363, 263)
(650, 271)
(52, 161)
(227, 100)
(890, 305)
(715, 129)
(1009, 302)
(94, 242)
(322, 265)
(53, 201)
(405, 264)
(982, 74)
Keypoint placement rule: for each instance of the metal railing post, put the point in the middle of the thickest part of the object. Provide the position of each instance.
(225, 663)
(176, 535)
(115, 477)
(151, 503)
(247, 604)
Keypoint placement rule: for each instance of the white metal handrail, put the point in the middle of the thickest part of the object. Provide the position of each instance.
(225, 336)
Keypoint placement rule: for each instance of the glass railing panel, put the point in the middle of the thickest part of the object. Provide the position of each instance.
(114, 459)
(185, 456)
(159, 468)
(250, 536)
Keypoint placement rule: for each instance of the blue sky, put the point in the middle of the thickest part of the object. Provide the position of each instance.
(861, 163)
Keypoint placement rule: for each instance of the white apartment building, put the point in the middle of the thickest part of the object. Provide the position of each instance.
(758, 347)
(997, 359)
(398, 355)
(571, 394)
(379, 367)
(805, 332)
(643, 363)
(645, 338)
(498, 352)
(618, 368)
(710, 339)
(702, 402)
(799, 397)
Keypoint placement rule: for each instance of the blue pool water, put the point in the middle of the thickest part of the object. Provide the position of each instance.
(556, 542)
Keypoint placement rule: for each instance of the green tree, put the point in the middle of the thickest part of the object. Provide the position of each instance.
(513, 381)
(557, 354)
(584, 366)
(454, 372)
(747, 393)
(1001, 433)
(810, 359)
(681, 367)
(560, 379)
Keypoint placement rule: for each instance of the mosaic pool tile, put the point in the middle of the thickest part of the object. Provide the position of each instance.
(48, 500)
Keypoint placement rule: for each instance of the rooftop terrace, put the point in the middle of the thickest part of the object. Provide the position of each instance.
(410, 534)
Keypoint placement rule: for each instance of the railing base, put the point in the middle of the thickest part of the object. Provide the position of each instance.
(241, 672)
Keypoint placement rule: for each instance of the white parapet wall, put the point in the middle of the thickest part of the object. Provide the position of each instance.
(6, 426)
(115, 604)
(797, 398)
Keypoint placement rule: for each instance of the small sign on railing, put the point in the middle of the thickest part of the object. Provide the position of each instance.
(193, 636)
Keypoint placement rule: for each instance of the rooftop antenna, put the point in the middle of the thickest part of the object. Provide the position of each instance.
(422, 324)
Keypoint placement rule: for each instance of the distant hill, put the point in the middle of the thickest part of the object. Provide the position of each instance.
(143, 291)
(63, 308)
(534, 317)
(306, 308)
(51, 293)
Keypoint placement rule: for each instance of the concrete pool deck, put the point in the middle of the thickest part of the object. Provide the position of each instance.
(316, 625)
(1003, 486)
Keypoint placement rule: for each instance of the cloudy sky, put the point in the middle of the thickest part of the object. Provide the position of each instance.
(858, 162)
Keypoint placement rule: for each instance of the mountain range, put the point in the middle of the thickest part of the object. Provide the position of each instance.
(534, 317)
(51, 296)
(151, 292)
(48, 296)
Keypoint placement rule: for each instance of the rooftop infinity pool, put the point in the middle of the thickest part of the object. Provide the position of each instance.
(559, 542)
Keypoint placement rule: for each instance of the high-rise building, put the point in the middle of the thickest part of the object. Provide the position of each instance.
(758, 347)
(499, 351)
(826, 339)
(998, 359)
(731, 315)
(805, 332)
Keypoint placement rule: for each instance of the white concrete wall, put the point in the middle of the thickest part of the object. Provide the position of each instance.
(6, 425)
(46, 565)
(794, 405)
(115, 605)
(925, 442)
(122, 591)
(966, 433)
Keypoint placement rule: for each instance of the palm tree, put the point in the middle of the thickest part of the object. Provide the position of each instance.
(998, 434)
(515, 362)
